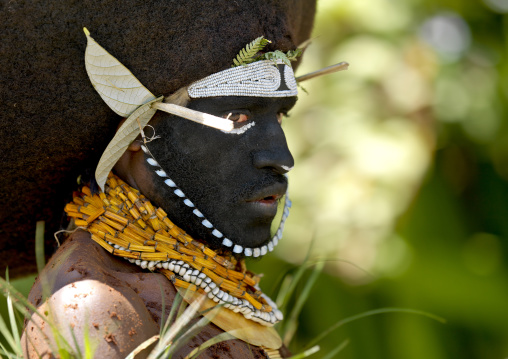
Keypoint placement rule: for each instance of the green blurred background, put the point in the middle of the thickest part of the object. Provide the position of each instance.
(401, 179)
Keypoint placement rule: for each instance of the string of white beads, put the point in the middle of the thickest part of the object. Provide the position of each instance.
(194, 276)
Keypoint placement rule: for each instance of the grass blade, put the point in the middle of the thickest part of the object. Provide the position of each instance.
(14, 327)
(26, 309)
(177, 302)
(78, 350)
(90, 346)
(374, 312)
(222, 337)
(39, 246)
(190, 330)
(336, 351)
(292, 322)
(283, 298)
(180, 322)
(6, 334)
(6, 353)
(181, 339)
(142, 346)
(163, 312)
(306, 353)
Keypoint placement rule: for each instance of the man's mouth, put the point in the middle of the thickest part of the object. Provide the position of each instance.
(269, 199)
(265, 201)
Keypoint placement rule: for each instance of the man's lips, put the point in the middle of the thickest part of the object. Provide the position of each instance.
(268, 193)
(266, 199)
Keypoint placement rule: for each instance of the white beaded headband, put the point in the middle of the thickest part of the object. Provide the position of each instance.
(257, 79)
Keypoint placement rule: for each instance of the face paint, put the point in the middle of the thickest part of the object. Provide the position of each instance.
(235, 181)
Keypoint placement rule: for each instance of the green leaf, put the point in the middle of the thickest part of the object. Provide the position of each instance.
(306, 353)
(212, 341)
(248, 54)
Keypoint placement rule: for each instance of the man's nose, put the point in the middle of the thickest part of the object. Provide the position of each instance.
(273, 152)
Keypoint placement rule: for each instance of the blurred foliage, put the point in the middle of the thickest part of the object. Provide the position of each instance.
(401, 178)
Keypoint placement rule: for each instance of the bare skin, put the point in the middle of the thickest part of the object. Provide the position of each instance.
(119, 304)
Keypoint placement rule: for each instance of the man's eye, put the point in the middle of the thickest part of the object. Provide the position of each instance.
(238, 117)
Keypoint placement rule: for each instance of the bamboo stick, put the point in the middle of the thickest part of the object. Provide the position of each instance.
(196, 116)
(325, 71)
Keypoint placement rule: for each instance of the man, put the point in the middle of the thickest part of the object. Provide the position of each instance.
(221, 188)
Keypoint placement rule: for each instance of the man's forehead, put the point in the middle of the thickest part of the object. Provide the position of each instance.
(232, 102)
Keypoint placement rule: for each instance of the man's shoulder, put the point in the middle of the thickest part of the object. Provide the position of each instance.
(77, 259)
(89, 293)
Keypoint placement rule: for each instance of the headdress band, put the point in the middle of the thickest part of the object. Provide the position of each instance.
(258, 79)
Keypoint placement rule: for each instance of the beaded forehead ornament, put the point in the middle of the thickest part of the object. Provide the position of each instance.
(258, 79)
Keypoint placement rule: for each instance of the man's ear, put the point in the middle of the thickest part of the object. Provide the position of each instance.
(134, 146)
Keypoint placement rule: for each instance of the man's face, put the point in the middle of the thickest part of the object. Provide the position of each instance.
(235, 180)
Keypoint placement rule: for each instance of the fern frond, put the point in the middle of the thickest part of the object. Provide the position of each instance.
(247, 54)
(291, 55)
(276, 55)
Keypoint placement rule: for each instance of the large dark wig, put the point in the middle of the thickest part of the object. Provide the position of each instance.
(52, 122)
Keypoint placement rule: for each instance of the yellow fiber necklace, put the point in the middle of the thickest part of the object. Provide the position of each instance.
(126, 224)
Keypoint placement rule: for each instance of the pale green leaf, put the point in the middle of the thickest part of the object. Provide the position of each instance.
(117, 86)
(123, 138)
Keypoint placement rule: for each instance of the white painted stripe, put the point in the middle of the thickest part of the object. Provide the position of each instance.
(216, 233)
(188, 202)
(227, 242)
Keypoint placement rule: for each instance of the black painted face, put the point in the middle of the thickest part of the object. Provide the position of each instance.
(235, 180)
